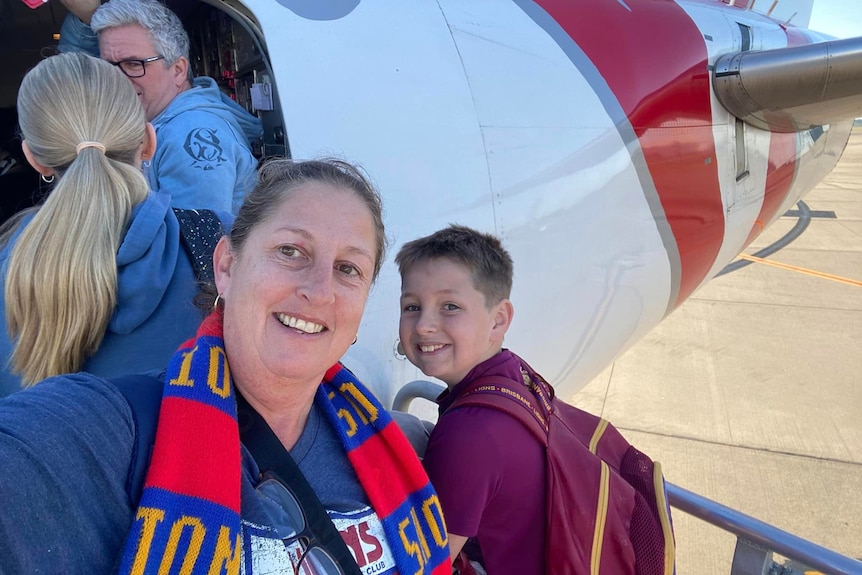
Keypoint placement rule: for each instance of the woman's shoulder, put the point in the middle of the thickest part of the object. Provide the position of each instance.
(67, 422)
(66, 446)
(72, 402)
(64, 423)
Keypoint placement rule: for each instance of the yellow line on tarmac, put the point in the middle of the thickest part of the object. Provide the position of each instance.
(807, 271)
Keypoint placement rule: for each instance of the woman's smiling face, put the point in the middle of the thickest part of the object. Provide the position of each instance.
(295, 292)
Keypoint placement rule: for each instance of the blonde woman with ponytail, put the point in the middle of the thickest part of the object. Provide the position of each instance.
(95, 278)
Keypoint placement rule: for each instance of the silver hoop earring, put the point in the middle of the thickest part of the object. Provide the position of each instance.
(398, 350)
(48, 179)
(216, 302)
(355, 339)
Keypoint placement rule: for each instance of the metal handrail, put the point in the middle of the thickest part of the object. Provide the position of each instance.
(416, 389)
(762, 534)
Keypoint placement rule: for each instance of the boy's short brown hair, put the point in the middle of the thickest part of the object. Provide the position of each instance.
(483, 254)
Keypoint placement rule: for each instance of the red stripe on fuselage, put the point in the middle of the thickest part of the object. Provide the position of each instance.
(654, 60)
(783, 154)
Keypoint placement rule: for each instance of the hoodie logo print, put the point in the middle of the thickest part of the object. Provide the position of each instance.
(204, 147)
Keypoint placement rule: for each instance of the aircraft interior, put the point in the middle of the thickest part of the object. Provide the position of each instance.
(223, 45)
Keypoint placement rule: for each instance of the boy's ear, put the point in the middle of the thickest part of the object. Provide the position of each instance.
(504, 312)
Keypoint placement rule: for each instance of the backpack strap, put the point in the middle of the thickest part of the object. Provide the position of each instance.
(144, 396)
(200, 231)
(496, 392)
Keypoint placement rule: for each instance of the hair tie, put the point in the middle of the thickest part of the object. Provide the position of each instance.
(88, 144)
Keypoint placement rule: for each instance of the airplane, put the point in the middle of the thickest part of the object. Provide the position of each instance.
(625, 151)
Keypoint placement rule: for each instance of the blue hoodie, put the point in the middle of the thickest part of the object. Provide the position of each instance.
(156, 285)
(203, 139)
(203, 157)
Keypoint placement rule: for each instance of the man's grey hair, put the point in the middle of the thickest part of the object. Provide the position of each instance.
(166, 31)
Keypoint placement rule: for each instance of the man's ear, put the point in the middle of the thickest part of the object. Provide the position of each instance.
(504, 312)
(31, 159)
(223, 259)
(180, 69)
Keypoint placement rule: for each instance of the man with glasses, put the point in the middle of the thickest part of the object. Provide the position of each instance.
(203, 156)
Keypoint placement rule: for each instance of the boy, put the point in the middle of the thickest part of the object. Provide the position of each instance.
(540, 485)
(487, 468)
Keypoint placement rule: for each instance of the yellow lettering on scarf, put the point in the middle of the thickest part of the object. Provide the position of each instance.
(345, 415)
(193, 549)
(440, 537)
(356, 408)
(348, 419)
(152, 517)
(359, 402)
(217, 359)
(420, 533)
(185, 369)
(414, 548)
(224, 555)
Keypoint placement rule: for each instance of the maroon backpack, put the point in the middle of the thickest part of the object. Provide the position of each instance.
(606, 501)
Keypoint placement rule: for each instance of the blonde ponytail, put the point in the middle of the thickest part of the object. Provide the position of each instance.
(61, 283)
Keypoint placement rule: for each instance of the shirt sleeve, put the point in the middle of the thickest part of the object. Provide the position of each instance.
(465, 462)
(75, 36)
(65, 448)
(199, 162)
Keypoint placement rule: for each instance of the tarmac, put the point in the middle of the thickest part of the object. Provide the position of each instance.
(750, 393)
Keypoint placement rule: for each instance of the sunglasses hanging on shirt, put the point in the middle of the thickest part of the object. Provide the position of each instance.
(295, 512)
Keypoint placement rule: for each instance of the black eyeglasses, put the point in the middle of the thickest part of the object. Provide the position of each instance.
(135, 68)
(287, 517)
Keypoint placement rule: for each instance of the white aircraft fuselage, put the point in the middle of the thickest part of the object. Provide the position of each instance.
(587, 135)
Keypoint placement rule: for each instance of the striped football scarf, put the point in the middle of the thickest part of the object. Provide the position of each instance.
(188, 517)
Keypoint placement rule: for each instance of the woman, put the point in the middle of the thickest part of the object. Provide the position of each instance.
(293, 278)
(100, 261)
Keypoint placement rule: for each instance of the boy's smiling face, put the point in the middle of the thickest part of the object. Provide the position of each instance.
(446, 329)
